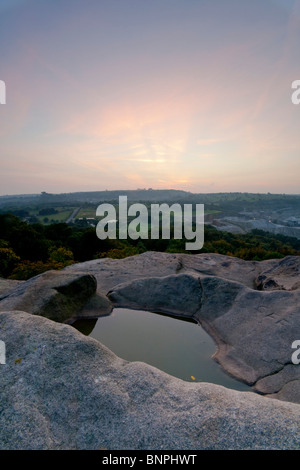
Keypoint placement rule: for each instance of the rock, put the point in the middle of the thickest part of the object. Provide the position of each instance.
(112, 272)
(254, 332)
(264, 282)
(62, 390)
(96, 306)
(57, 295)
(250, 308)
(285, 274)
(253, 329)
(7, 285)
(176, 294)
(237, 317)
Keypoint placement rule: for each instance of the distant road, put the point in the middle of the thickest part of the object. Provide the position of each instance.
(73, 215)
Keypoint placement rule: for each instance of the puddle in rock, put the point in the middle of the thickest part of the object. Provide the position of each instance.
(179, 347)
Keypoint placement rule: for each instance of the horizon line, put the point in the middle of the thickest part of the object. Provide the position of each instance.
(146, 190)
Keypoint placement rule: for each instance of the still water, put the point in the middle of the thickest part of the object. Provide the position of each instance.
(179, 347)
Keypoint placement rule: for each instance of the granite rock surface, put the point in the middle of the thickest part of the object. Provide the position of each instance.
(58, 295)
(62, 390)
(251, 309)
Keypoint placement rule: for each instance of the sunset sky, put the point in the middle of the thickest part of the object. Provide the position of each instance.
(172, 94)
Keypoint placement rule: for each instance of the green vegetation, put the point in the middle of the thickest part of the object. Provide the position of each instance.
(30, 249)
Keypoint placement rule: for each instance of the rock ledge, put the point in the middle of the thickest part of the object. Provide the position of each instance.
(62, 390)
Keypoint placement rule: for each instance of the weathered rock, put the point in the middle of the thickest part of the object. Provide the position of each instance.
(111, 272)
(176, 294)
(62, 390)
(285, 275)
(250, 308)
(55, 294)
(7, 285)
(264, 282)
(253, 329)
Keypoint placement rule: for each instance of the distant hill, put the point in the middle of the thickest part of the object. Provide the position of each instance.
(95, 197)
(277, 206)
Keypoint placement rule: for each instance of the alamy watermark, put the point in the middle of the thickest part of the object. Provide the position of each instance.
(2, 352)
(296, 354)
(188, 222)
(296, 94)
(2, 92)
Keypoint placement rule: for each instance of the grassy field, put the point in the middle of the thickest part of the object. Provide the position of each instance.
(61, 216)
(86, 212)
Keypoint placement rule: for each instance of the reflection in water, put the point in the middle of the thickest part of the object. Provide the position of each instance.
(180, 348)
(85, 326)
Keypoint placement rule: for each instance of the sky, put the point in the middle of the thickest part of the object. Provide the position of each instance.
(167, 94)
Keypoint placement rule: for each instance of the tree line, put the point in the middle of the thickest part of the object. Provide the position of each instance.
(30, 249)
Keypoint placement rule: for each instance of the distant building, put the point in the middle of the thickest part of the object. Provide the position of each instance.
(292, 222)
